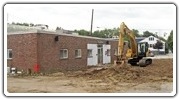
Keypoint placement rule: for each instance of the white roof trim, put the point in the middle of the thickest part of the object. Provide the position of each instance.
(55, 33)
(153, 37)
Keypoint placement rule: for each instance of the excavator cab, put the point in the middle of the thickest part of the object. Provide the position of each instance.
(142, 49)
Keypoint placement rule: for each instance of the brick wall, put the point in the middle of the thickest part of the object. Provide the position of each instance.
(23, 50)
(49, 52)
(114, 45)
(42, 49)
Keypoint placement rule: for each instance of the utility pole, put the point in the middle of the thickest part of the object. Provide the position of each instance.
(92, 22)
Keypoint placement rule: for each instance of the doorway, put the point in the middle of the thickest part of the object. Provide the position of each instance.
(100, 54)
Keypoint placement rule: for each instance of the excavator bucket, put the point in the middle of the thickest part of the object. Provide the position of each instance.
(118, 62)
(118, 65)
(120, 59)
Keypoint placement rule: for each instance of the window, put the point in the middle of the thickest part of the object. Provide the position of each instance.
(89, 53)
(9, 54)
(151, 38)
(142, 48)
(63, 53)
(78, 53)
(108, 52)
(115, 51)
(150, 45)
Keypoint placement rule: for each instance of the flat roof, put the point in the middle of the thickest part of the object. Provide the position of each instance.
(56, 33)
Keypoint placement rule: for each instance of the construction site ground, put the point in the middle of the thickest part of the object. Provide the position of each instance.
(155, 78)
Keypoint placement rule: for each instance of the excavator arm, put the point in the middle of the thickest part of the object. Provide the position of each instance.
(132, 50)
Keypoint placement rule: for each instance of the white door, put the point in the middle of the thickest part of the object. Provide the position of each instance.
(92, 54)
(106, 54)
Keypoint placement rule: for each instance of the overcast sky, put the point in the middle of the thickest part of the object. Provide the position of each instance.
(159, 18)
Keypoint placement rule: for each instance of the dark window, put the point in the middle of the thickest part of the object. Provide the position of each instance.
(9, 54)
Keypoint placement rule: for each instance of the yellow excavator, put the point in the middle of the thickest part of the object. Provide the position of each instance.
(135, 53)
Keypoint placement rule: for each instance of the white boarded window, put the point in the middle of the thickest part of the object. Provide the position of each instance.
(89, 53)
(9, 54)
(63, 53)
(78, 53)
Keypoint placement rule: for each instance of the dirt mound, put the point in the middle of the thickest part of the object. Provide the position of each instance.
(116, 74)
(159, 70)
(155, 78)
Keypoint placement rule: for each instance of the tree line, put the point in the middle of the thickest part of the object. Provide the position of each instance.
(109, 33)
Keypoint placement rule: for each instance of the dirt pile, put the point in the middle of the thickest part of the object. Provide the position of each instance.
(159, 70)
(107, 79)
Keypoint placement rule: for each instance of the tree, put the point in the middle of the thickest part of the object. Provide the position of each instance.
(116, 31)
(106, 33)
(82, 32)
(31, 24)
(18, 23)
(166, 48)
(99, 34)
(13, 23)
(58, 28)
(166, 45)
(47, 26)
(136, 33)
(161, 38)
(25, 24)
(170, 41)
(147, 34)
(158, 45)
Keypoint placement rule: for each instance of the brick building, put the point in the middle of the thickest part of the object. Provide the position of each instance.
(50, 51)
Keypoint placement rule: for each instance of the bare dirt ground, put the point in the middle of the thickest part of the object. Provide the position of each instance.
(154, 78)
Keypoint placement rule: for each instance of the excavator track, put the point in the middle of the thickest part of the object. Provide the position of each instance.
(144, 62)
